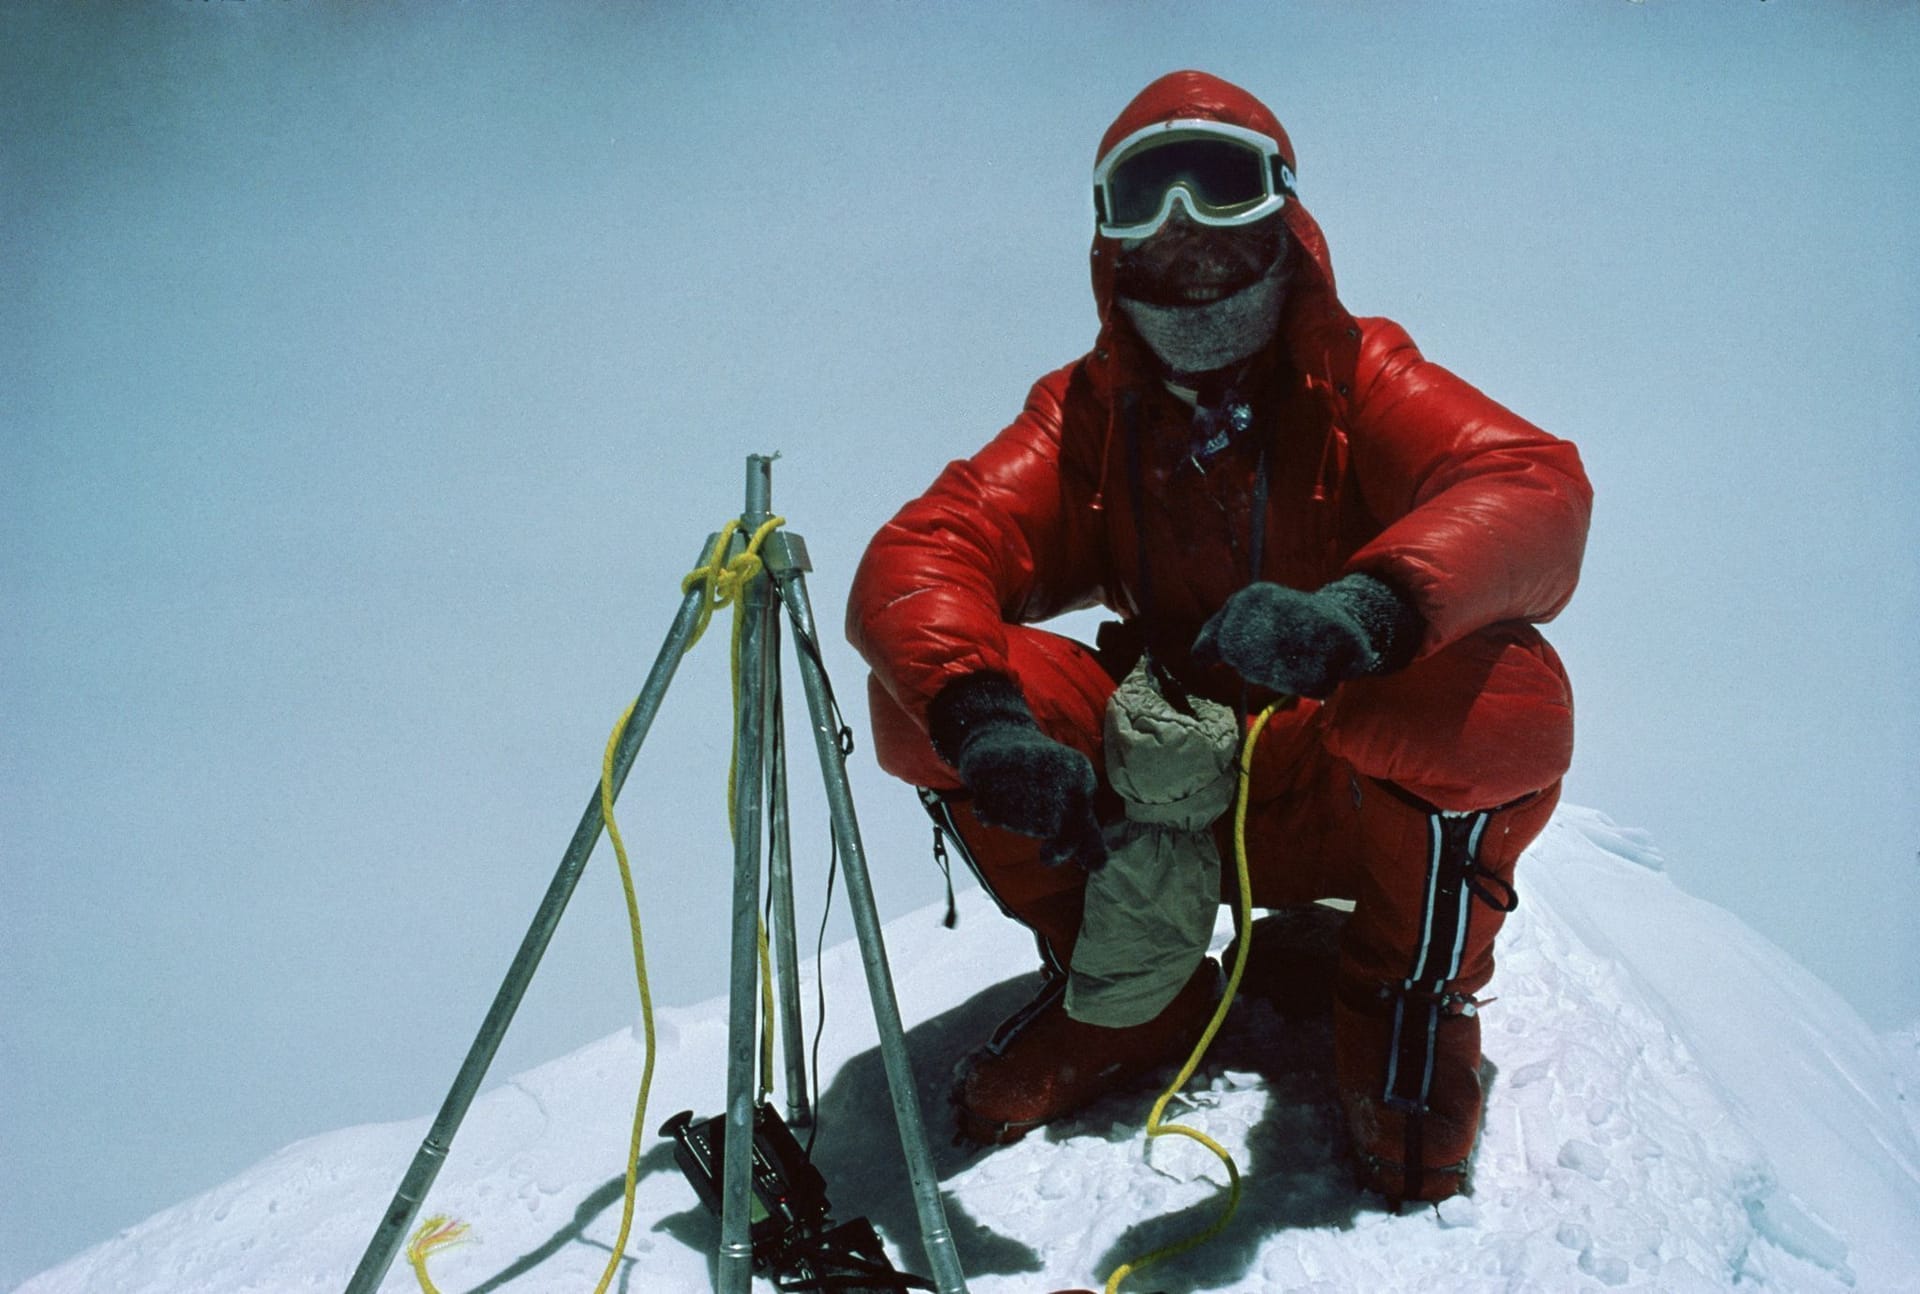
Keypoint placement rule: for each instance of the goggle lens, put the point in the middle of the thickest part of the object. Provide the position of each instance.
(1220, 175)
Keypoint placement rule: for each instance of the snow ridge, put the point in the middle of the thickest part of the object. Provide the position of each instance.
(1673, 1106)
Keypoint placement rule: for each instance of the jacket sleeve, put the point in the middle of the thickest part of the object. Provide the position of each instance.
(1004, 537)
(1484, 515)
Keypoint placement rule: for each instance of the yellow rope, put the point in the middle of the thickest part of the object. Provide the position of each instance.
(1155, 1128)
(437, 1232)
(646, 1002)
(723, 581)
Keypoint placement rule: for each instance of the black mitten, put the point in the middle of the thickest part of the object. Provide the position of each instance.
(1305, 644)
(1021, 779)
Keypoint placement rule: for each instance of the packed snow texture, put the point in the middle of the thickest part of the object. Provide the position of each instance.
(1674, 1106)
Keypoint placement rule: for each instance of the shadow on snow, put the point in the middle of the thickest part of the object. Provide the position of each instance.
(1296, 1170)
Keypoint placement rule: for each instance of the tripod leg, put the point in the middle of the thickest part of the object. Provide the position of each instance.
(785, 954)
(391, 1232)
(736, 1167)
(934, 1232)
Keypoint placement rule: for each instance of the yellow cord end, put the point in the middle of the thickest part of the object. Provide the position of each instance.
(437, 1232)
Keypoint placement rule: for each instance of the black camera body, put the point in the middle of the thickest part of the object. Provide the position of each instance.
(795, 1240)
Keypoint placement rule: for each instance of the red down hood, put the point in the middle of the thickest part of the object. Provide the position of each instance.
(1315, 328)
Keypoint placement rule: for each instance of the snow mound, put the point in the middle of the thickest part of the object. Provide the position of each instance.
(1674, 1106)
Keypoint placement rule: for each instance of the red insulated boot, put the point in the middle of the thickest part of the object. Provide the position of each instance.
(1042, 1064)
(1413, 1133)
(1431, 899)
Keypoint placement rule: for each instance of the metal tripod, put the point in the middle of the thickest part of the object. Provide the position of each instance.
(759, 742)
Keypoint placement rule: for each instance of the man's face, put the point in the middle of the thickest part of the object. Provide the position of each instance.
(1184, 263)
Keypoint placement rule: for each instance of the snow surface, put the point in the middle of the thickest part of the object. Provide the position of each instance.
(1675, 1105)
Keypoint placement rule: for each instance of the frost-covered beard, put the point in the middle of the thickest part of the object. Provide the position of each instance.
(1202, 338)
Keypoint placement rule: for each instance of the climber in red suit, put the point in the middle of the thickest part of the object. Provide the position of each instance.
(1277, 499)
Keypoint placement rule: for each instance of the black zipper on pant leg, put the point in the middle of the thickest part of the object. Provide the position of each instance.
(942, 814)
(945, 865)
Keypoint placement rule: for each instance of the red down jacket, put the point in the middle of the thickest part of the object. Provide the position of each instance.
(1380, 461)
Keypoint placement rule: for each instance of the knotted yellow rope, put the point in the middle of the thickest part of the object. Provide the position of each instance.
(1155, 1128)
(723, 581)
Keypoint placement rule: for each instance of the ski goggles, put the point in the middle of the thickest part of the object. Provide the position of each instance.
(1222, 175)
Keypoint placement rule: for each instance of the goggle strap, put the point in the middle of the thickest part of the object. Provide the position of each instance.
(1282, 181)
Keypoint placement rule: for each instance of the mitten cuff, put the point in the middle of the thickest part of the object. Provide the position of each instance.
(1393, 624)
(970, 703)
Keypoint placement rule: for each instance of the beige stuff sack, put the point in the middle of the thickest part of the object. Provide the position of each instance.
(1150, 912)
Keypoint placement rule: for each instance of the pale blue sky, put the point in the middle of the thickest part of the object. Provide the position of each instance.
(370, 376)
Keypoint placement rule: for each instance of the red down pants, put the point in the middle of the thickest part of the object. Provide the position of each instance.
(1361, 797)
(1485, 724)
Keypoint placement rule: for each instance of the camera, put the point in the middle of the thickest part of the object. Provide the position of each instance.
(795, 1241)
